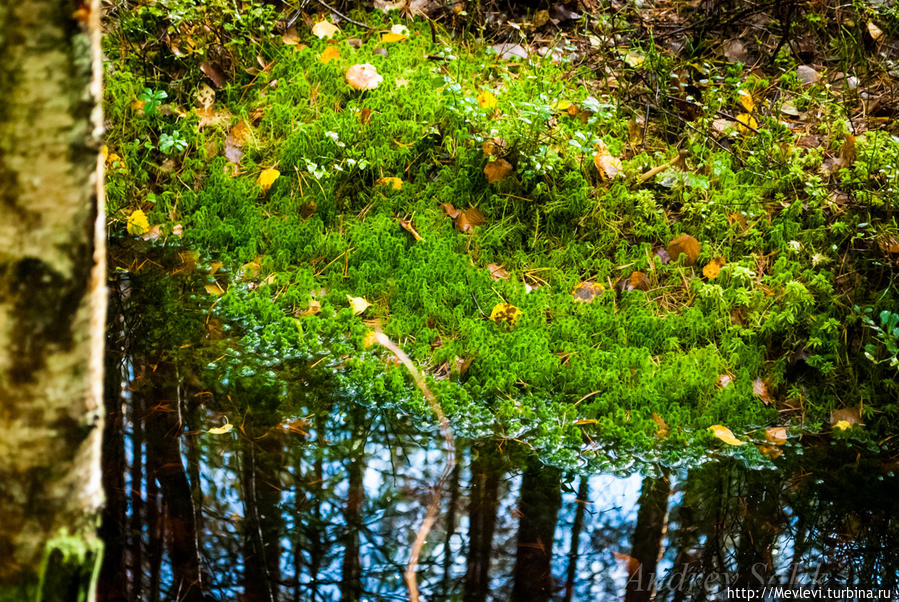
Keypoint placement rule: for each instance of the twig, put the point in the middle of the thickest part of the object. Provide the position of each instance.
(437, 493)
(341, 15)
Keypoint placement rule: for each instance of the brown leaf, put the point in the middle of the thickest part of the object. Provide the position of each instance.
(848, 152)
(724, 380)
(685, 244)
(585, 292)
(850, 415)
(637, 281)
(662, 430)
(450, 210)
(760, 390)
(468, 219)
(365, 116)
(713, 268)
(308, 209)
(497, 170)
(214, 73)
(497, 272)
(772, 451)
(494, 147)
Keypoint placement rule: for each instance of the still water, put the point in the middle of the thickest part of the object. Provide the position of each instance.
(305, 494)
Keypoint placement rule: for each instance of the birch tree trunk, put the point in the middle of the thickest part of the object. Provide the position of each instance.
(52, 301)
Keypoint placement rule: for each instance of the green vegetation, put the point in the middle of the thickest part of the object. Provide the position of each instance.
(804, 228)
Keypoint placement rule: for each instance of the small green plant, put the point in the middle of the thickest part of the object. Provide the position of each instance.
(152, 100)
(172, 142)
(887, 333)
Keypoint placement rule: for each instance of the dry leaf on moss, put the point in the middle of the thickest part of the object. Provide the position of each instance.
(497, 170)
(587, 291)
(724, 434)
(686, 245)
(363, 77)
(394, 183)
(505, 314)
(266, 178)
(713, 268)
(329, 54)
(324, 29)
(358, 304)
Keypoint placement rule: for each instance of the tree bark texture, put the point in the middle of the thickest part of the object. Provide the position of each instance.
(52, 301)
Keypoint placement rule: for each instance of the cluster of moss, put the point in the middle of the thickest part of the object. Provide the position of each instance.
(762, 204)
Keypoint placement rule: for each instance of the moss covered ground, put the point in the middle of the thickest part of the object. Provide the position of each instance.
(783, 317)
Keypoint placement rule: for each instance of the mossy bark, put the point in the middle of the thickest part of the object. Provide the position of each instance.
(51, 292)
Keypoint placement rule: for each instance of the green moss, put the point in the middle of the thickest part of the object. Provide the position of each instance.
(764, 206)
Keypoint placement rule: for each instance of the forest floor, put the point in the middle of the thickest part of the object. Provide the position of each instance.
(660, 229)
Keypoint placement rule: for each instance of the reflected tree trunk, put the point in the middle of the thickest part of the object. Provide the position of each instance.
(112, 584)
(164, 429)
(453, 502)
(140, 507)
(646, 547)
(540, 499)
(351, 586)
(583, 493)
(483, 503)
(760, 526)
(684, 539)
(262, 462)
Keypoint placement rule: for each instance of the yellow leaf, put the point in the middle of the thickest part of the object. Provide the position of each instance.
(505, 314)
(330, 53)
(746, 101)
(358, 304)
(713, 268)
(137, 223)
(369, 339)
(723, 433)
(842, 425)
(563, 105)
(323, 29)
(266, 178)
(486, 100)
(391, 37)
(221, 430)
(744, 120)
(214, 289)
(395, 183)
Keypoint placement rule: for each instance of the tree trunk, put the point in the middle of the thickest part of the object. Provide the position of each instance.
(52, 300)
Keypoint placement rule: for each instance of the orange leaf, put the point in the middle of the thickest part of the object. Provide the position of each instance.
(684, 244)
(497, 170)
(330, 53)
(723, 433)
(713, 268)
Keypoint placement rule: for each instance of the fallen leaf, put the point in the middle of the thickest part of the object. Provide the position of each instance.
(451, 211)
(609, 167)
(266, 178)
(290, 37)
(686, 245)
(505, 314)
(587, 291)
(637, 281)
(723, 433)
(363, 77)
(662, 254)
(746, 123)
(214, 74)
(468, 219)
(397, 33)
(776, 435)
(494, 147)
(662, 430)
(713, 268)
(395, 183)
(848, 152)
(365, 116)
(850, 416)
(241, 133)
(746, 101)
(137, 223)
(486, 100)
(214, 289)
(842, 425)
(497, 170)
(875, 32)
(772, 451)
(497, 272)
(324, 29)
(205, 96)
(760, 390)
(329, 54)
(358, 304)
(724, 380)
(221, 430)
(508, 50)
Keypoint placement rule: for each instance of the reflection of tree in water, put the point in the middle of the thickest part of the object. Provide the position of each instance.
(314, 496)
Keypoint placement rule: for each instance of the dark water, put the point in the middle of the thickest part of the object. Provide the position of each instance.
(311, 496)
